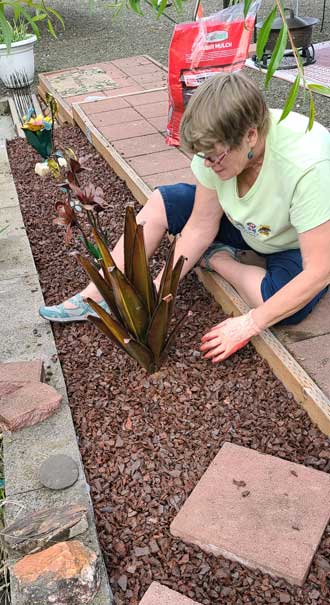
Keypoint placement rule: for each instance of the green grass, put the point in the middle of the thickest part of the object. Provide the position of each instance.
(4, 572)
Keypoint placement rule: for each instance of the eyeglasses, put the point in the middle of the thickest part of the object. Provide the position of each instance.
(215, 159)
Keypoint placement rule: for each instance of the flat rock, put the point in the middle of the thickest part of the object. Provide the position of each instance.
(28, 405)
(262, 511)
(22, 371)
(39, 529)
(67, 573)
(161, 595)
(58, 472)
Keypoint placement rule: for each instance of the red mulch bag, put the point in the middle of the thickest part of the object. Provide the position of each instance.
(201, 49)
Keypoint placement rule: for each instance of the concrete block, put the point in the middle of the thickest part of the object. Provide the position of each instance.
(20, 299)
(161, 595)
(26, 450)
(316, 324)
(12, 219)
(262, 511)
(15, 257)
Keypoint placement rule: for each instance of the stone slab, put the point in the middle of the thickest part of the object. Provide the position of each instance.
(161, 595)
(313, 354)
(22, 371)
(262, 511)
(151, 143)
(119, 132)
(162, 161)
(15, 257)
(28, 405)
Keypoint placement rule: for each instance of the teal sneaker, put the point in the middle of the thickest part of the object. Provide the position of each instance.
(79, 312)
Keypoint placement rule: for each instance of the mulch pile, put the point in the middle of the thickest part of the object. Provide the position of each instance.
(147, 440)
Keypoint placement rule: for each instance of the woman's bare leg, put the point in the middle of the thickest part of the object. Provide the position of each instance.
(153, 215)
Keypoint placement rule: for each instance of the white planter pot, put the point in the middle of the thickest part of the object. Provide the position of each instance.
(19, 60)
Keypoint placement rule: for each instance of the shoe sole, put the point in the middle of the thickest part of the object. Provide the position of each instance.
(65, 319)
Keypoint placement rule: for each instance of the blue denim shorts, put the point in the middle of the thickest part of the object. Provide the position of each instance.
(281, 267)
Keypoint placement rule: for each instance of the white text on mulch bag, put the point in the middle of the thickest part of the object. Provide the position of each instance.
(200, 50)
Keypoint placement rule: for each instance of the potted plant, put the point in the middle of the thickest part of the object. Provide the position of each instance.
(18, 33)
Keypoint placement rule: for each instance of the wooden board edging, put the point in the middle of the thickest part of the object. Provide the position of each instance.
(282, 363)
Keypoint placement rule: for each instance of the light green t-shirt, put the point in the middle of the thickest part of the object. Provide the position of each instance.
(292, 192)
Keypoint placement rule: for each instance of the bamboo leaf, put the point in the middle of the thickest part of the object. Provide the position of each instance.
(5, 29)
(129, 237)
(101, 284)
(158, 328)
(264, 33)
(135, 6)
(322, 90)
(117, 333)
(277, 54)
(141, 276)
(291, 99)
(311, 113)
(130, 306)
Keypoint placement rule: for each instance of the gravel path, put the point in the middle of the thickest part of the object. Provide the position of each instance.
(146, 441)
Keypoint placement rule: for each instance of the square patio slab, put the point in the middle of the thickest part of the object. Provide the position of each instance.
(161, 595)
(262, 511)
(313, 355)
(316, 324)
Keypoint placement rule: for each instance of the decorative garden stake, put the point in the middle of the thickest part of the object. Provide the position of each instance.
(140, 318)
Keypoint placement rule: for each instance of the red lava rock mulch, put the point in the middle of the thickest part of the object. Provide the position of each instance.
(147, 440)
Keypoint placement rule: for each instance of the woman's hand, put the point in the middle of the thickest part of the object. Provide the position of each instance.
(227, 337)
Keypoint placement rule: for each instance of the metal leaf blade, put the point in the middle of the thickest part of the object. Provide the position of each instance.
(103, 287)
(158, 328)
(141, 276)
(105, 253)
(129, 304)
(165, 283)
(129, 238)
(171, 338)
(120, 336)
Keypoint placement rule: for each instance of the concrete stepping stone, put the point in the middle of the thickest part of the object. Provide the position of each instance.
(59, 472)
(161, 595)
(262, 511)
(28, 405)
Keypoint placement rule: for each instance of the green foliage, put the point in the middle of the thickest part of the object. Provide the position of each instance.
(25, 15)
(140, 318)
(137, 6)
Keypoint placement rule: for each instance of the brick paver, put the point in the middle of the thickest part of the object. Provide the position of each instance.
(265, 512)
(163, 161)
(161, 595)
(313, 354)
(139, 145)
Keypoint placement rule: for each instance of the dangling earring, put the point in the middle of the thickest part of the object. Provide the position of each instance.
(250, 155)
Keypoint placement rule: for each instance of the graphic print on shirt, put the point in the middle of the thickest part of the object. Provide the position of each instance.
(261, 231)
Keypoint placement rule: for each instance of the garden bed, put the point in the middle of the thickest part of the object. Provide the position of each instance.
(147, 440)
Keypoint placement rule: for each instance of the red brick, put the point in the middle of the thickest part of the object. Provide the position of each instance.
(160, 122)
(313, 354)
(28, 405)
(144, 98)
(130, 148)
(119, 132)
(151, 80)
(265, 512)
(170, 178)
(153, 110)
(155, 163)
(129, 61)
(104, 105)
(117, 116)
(161, 595)
(146, 68)
(22, 371)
